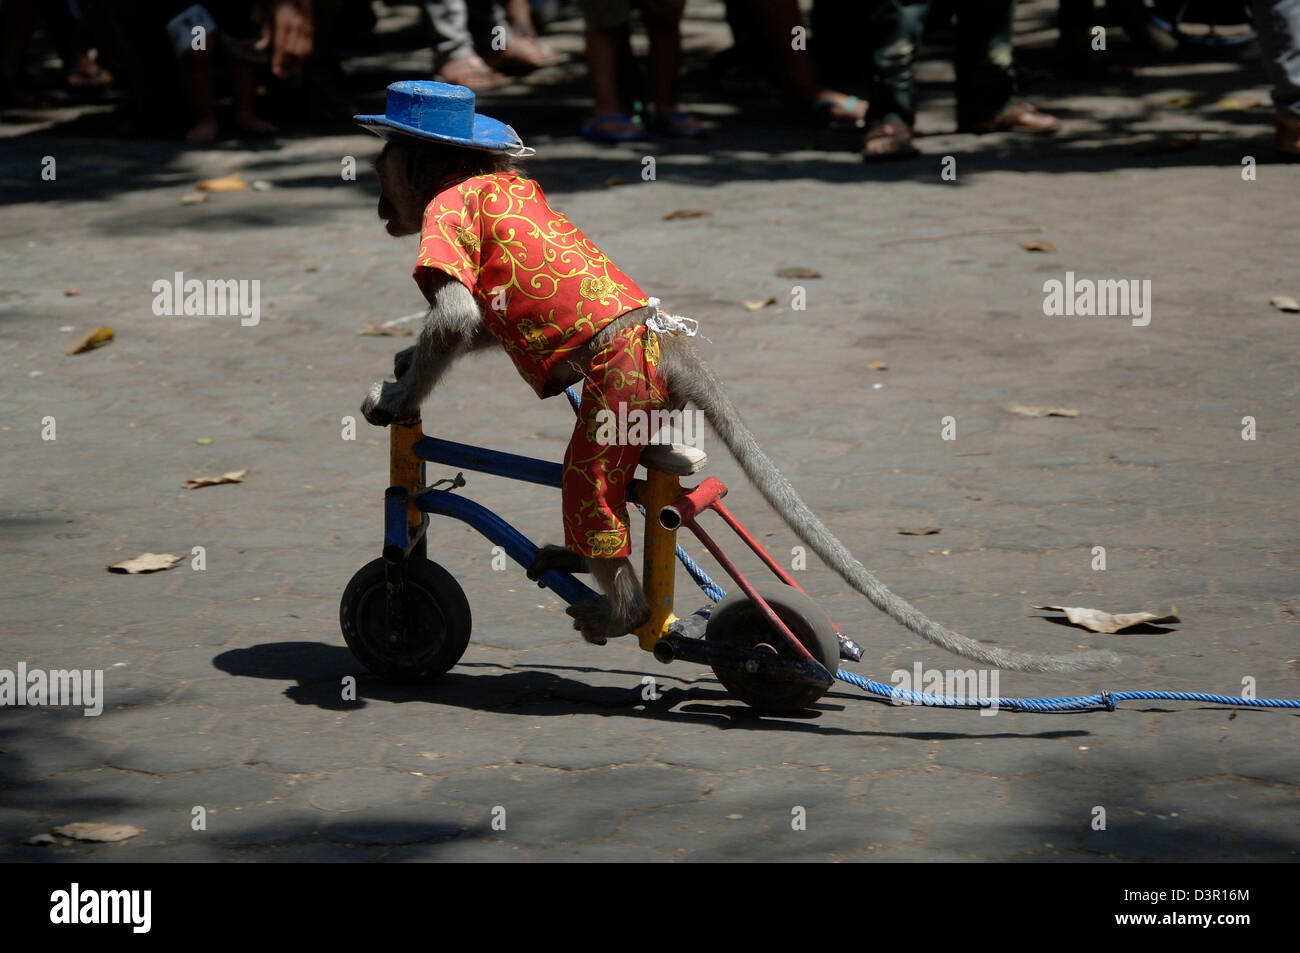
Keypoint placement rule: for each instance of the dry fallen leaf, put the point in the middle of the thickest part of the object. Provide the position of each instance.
(101, 833)
(1043, 411)
(796, 271)
(194, 198)
(234, 476)
(685, 213)
(923, 531)
(1095, 620)
(91, 340)
(228, 183)
(877, 365)
(1035, 244)
(1285, 303)
(758, 305)
(614, 180)
(146, 562)
(387, 331)
(1233, 102)
(72, 292)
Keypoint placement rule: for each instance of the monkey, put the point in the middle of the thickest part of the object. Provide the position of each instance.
(414, 178)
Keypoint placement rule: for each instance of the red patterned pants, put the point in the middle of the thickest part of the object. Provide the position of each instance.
(624, 381)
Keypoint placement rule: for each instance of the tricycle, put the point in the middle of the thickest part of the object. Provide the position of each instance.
(406, 619)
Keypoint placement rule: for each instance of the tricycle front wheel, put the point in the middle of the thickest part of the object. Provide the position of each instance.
(438, 622)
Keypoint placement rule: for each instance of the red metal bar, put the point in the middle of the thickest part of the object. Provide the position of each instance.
(757, 547)
(683, 510)
(749, 590)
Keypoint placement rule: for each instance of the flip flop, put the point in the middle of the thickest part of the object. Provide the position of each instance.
(1009, 121)
(82, 78)
(669, 125)
(891, 130)
(592, 130)
(821, 112)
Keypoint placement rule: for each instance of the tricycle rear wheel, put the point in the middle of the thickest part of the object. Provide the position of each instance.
(438, 622)
(738, 622)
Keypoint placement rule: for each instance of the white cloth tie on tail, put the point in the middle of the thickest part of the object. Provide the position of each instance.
(661, 322)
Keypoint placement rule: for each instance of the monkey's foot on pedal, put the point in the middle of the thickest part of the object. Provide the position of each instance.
(591, 620)
(594, 620)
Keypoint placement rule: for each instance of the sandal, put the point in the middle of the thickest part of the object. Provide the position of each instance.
(900, 137)
(837, 111)
(1016, 118)
(598, 129)
(675, 125)
(471, 72)
(92, 77)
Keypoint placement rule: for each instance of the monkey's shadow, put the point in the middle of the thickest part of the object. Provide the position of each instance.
(317, 671)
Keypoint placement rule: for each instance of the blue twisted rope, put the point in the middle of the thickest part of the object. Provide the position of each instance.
(1096, 702)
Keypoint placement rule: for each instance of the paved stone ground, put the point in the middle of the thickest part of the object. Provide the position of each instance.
(223, 685)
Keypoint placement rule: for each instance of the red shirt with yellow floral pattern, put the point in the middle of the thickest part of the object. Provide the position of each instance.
(547, 289)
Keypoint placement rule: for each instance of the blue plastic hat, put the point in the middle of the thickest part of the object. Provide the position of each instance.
(440, 112)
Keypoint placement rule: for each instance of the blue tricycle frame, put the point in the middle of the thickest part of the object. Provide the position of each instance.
(407, 619)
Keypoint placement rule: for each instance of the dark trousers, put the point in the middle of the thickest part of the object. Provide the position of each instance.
(893, 30)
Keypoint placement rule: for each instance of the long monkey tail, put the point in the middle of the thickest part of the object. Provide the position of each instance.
(690, 379)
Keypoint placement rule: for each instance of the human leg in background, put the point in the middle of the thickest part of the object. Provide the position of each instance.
(1278, 25)
(73, 40)
(241, 28)
(896, 27)
(779, 19)
(607, 46)
(17, 20)
(663, 21)
(1074, 21)
(454, 58)
(196, 76)
(985, 72)
(522, 52)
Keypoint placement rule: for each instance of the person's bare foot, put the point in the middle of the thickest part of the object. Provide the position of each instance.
(86, 72)
(1021, 117)
(675, 124)
(204, 132)
(253, 124)
(523, 55)
(887, 141)
(1286, 139)
(612, 127)
(840, 109)
(471, 72)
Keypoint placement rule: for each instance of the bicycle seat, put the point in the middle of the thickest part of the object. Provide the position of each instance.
(677, 459)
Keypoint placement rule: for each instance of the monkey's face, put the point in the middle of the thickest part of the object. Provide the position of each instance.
(401, 204)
